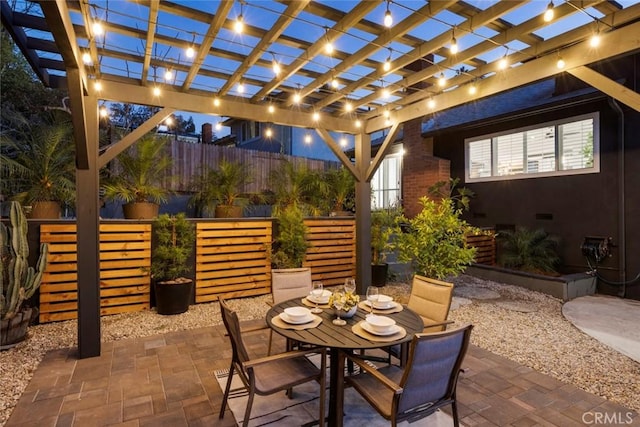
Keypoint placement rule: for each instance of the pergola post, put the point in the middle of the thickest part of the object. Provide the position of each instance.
(363, 212)
(88, 239)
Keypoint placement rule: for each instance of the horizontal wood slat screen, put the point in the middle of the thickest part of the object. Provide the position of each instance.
(332, 256)
(125, 258)
(232, 258)
(485, 245)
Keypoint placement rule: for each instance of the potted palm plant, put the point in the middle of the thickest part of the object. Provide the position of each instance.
(18, 281)
(137, 180)
(42, 154)
(223, 187)
(342, 189)
(174, 238)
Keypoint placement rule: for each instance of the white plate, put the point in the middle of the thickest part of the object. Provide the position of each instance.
(287, 319)
(392, 330)
(392, 304)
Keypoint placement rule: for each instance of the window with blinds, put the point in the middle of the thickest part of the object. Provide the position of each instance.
(559, 148)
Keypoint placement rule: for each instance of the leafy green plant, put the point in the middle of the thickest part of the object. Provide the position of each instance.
(174, 236)
(341, 189)
(461, 196)
(384, 225)
(40, 155)
(221, 186)
(18, 281)
(291, 244)
(529, 250)
(435, 243)
(297, 185)
(141, 170)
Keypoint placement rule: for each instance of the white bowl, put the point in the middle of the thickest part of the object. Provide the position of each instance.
(380, 323)
(384, 301)
(297, 313)
(322, 299)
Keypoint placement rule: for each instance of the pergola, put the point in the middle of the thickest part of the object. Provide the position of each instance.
(327, 65)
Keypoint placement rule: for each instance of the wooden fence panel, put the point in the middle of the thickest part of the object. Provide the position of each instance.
(332, 256)
(485, 245)
(125, 258)
(232, 258)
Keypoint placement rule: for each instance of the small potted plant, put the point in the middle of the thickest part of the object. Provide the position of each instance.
(170, 261)
(342, 191)
(349, 301)
(384, 225)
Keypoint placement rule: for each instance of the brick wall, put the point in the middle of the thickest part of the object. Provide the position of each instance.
(420, 168)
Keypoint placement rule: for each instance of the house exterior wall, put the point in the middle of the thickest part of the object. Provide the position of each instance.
(420, 168)
(570, 207)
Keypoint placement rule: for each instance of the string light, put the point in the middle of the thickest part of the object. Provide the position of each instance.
(216, 101)
(386, 93)
(335, 83)
(218, 126)
(297, 98)
(328, 47)
(453, 48)
(97, 28)
(343, 142)
(431, 103)
(348, 107)
(86, 58)
(595, 39)
(358, 123)
(97, 85)
(549, 12)
(238, 25)
(271, 109)
(276, 68)
(473, 89)
(156, 91)
(168, 121)
(387, 64)
(191, 52)
(388, 19)
(442, 81)
(316, 116)
(240, 87)
(387, 114)
(503, 63)
(307, 139)
(560, 64)
(168, 75)
(103, 111)
(269, 133)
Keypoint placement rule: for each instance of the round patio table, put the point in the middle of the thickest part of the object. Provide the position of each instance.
(341, 338)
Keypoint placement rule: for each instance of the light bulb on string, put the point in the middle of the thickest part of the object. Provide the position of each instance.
(560, 64)
(316, 116)
(453, 48)
(103, 111)
(431, 103)
(503, 63)
(168, 75)
(97, 85)
(190, 52)
(216, 101)
(307, 139)
(271, 109)
(156, 91)
(594, 41)
(388, 19)
(343, 142)
(240, 87)
(358, 123)
(218, 126)
(269, 133)
(335, 83)
(297, 98)
(238, 25)
(86, 58)
(549, 12)
(473, 89)
(442, 81)
(97, 28)
(348, 107)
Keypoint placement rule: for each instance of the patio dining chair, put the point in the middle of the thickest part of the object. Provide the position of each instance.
(426, 383)
(287, 284)
(271, 374)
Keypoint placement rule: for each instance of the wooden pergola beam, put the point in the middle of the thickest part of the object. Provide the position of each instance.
(610, 87)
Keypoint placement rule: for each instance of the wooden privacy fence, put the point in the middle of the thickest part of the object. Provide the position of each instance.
(485, 245)
(125, 258)
(332, 256)
(231, 257)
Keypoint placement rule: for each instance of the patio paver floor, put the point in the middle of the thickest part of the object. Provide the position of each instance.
(168, 380)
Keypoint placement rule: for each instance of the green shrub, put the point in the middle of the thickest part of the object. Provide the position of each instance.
(523, 249)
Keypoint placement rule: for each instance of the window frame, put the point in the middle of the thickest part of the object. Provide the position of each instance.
(595, 116)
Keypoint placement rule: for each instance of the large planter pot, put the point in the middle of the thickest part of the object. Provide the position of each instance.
(45, 210)
(173, 297)
(140, 210)
(13, 331)
(379, 274)
(225, 211)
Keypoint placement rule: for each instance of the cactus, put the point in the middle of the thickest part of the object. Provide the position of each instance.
(18, 281)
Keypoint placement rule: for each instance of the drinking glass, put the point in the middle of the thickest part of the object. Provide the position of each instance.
(317, 294)
(372, 297)
(338, 303)
(350, 285)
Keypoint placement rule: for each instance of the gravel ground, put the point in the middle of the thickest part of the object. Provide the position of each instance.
(521, 325)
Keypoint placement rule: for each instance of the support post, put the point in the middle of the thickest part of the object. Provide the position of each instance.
(88, 239)
(363, 212)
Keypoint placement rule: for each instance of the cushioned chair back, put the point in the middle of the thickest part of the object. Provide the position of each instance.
(231, 322)
(431, 299)
(290, 283)
(433, 366)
